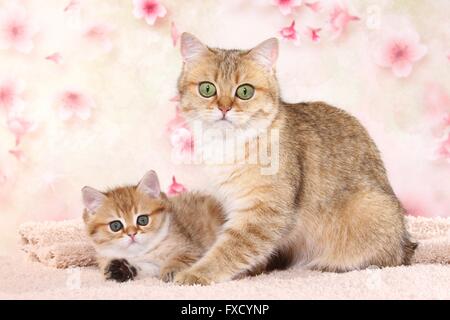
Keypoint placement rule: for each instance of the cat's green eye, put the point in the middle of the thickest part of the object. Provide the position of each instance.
(206, 89)
(142, 220)
(245, 91)
(116, 225)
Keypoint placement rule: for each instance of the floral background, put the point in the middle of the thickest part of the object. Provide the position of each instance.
(88, 90)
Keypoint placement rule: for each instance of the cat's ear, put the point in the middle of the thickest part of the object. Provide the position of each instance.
(191, 47)
(92, 199)
(266, 53)
(149, 185)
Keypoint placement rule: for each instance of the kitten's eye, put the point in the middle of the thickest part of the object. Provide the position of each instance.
(245, 91)
(116, 225)
(206, 89)
(142, 220)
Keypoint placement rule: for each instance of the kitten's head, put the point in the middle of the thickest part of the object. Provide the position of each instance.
(126, 221)
(233, 89)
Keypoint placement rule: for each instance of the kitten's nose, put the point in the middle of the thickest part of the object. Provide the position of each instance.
(132, 235)
(224, 109)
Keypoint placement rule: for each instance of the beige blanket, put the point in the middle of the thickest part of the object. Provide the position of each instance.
(63, 244)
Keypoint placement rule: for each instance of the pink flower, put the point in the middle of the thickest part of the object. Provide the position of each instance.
(398, 51)
(174, 33)
(286, 6)
(16, 30)
(175, 98)
(175, 188)
(74, 103)
(176, 122)
(437, 101)
(182, 141)
(443, 150)
(99, 34)
(414, 205)
(339, 19)
(73, 5)
(180, 136)
(18, 154)
(314, 6)
(150, 10)
(10, 95)
(19, 127)
(55, 57)
(179, 133)
(289, 33)
(313, 34)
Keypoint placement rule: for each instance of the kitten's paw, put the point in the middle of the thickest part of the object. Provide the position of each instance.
(120, 270)
(189, 278)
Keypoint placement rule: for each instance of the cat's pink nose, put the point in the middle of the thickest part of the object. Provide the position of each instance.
(132, 235)
(224, 109)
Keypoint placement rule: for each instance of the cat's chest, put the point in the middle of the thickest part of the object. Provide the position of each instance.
(150, 263)
(230, 185)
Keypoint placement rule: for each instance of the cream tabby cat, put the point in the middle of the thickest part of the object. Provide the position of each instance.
(138, 230)
(329, 206)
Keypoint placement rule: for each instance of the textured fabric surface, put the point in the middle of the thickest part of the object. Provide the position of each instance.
(427, 278)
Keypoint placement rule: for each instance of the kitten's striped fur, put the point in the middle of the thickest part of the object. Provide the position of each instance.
(180, 230)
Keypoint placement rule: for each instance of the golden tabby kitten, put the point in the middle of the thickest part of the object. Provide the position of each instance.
(138, 230)
(329, 205)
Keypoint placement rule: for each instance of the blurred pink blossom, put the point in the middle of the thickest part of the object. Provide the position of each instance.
(174, 34)
(437, 108)
(74, 103)
(314, 6)
(414, 206)
(99, 34)
(182, 141)
(175, 98)
(55, 57)
(16, 29)
(175, 188)
(287, 6)
(443, 150)
(289, 33)
(150, 10)
(180, 136)
(10, 95)
(73, 5)
(18, 154)
(313, 34)
(339, 19)
(19, 127)
(399, 51)
(176, 122)
(179, 133)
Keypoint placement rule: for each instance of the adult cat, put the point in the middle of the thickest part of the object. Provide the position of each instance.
(330, 204)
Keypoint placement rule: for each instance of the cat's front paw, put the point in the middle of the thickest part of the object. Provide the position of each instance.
(191, 277)
(120, 270)
(168, 274)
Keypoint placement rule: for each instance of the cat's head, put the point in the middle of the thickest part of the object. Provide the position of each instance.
(234, 89)
(126, 221)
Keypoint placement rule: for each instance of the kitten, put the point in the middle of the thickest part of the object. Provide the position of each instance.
(329, 205)
(138, 230)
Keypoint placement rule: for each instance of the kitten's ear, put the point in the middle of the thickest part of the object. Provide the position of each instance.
(266, 53)
(92, 199)
(191, 47)
(149, 185)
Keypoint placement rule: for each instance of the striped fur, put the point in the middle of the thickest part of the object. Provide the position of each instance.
(330, 205)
